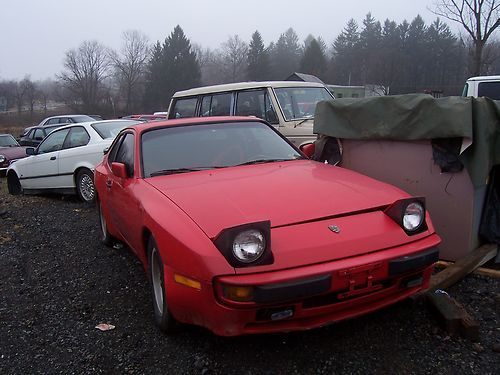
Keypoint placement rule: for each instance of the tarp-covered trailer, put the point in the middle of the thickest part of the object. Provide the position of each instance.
(445, 149)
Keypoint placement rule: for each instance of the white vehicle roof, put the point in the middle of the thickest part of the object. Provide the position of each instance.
(88, 125)
(484, 78)
(245, 85)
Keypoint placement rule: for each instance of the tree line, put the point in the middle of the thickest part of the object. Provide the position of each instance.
(141, 77)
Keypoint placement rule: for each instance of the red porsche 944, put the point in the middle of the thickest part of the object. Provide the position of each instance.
(241, 233)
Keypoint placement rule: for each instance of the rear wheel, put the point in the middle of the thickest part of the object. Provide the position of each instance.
(13, 184)
(105, 237)
(163, 317)
(85, 187)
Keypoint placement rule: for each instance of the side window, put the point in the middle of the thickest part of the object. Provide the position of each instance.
(77, 137)
(125, 153)
(64, 120)
(221, 105)
(251, 103)
(184, 108)
(53, 142)
(206, 101)
(38, 134)
(114, 149)
(52, 121)
(489, 89)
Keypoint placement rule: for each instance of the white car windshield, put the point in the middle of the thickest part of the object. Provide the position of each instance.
(298, 103)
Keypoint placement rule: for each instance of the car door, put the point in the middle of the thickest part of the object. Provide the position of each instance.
(41, 171)
(122, 203)
(73, 153)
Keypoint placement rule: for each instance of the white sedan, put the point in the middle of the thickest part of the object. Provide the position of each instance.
(65, 160)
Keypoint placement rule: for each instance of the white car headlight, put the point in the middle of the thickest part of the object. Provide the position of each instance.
(2, 159)
(249, 245)
(413, 216)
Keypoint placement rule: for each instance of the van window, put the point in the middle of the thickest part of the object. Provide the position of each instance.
(184, 108)
(300, 102)
(216, 105)
(489, 89)
(255, 103)
(465, 90)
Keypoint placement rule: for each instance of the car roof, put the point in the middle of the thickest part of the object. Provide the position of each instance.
(484, 78)
(142, 127)
(243, 86)
(90, 123)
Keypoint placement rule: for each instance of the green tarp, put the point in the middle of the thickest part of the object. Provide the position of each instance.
(419, 117)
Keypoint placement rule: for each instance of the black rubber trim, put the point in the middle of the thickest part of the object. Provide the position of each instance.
(413, 262)
(292, 290)
(46, 175)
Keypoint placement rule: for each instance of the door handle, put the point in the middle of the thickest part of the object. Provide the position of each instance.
(109, 183)
(53, 158)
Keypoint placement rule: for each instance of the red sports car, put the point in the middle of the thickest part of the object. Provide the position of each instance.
(241, 233)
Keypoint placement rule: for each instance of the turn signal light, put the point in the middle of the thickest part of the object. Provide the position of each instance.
(187, 281)
(238, 293)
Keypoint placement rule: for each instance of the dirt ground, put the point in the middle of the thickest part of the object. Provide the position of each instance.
(57, 282)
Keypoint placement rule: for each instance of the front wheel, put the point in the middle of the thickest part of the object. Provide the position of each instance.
(105, 237)
(13, 184)
(163, 317)
(85, 187)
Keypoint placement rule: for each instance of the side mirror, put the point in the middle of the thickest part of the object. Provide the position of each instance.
(119, 170)
(308, 149)
(30, 151)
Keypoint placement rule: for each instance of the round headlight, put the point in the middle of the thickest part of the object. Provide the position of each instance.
(249, 245)
(2, 159)
(413, 216)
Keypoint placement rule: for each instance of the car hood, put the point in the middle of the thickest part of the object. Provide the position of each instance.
(13, 152)
(284, 193)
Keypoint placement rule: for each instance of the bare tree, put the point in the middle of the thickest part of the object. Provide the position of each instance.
(86, 69)
(479, 18)
(130, 65)
(234, 52)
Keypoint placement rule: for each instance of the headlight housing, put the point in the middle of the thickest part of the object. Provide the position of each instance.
(2, 159)
(409, 214)
(246, 245)
(414, 216)
(249, 245)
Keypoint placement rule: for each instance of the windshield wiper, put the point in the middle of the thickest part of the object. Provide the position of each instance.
(302, 121)
(181, 170)
(262, 161)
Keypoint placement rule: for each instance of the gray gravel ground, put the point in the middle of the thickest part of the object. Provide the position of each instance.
(57, 282)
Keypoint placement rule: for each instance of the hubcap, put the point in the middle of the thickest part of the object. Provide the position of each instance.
(87, 189)
(156, 279)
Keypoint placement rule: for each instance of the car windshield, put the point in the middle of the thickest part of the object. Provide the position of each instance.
(298, 103)
(8, 141)
(189, 148)
(110, 129)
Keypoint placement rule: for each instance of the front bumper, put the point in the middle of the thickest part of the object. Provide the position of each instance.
(309, 296)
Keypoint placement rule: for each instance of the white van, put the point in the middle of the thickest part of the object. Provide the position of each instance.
(288, 105)
(488, 86)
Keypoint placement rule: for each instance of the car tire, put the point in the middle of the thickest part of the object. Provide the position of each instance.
(85, 187)
(104, 236)
(164, 319)
(13, 184)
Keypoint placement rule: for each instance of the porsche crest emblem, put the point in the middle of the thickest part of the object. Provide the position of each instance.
(334, 228)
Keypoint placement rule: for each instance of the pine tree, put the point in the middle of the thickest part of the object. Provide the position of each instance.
(258, 59)
(314, 60)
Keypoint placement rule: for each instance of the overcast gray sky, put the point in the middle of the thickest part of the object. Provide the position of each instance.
(35, 34)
